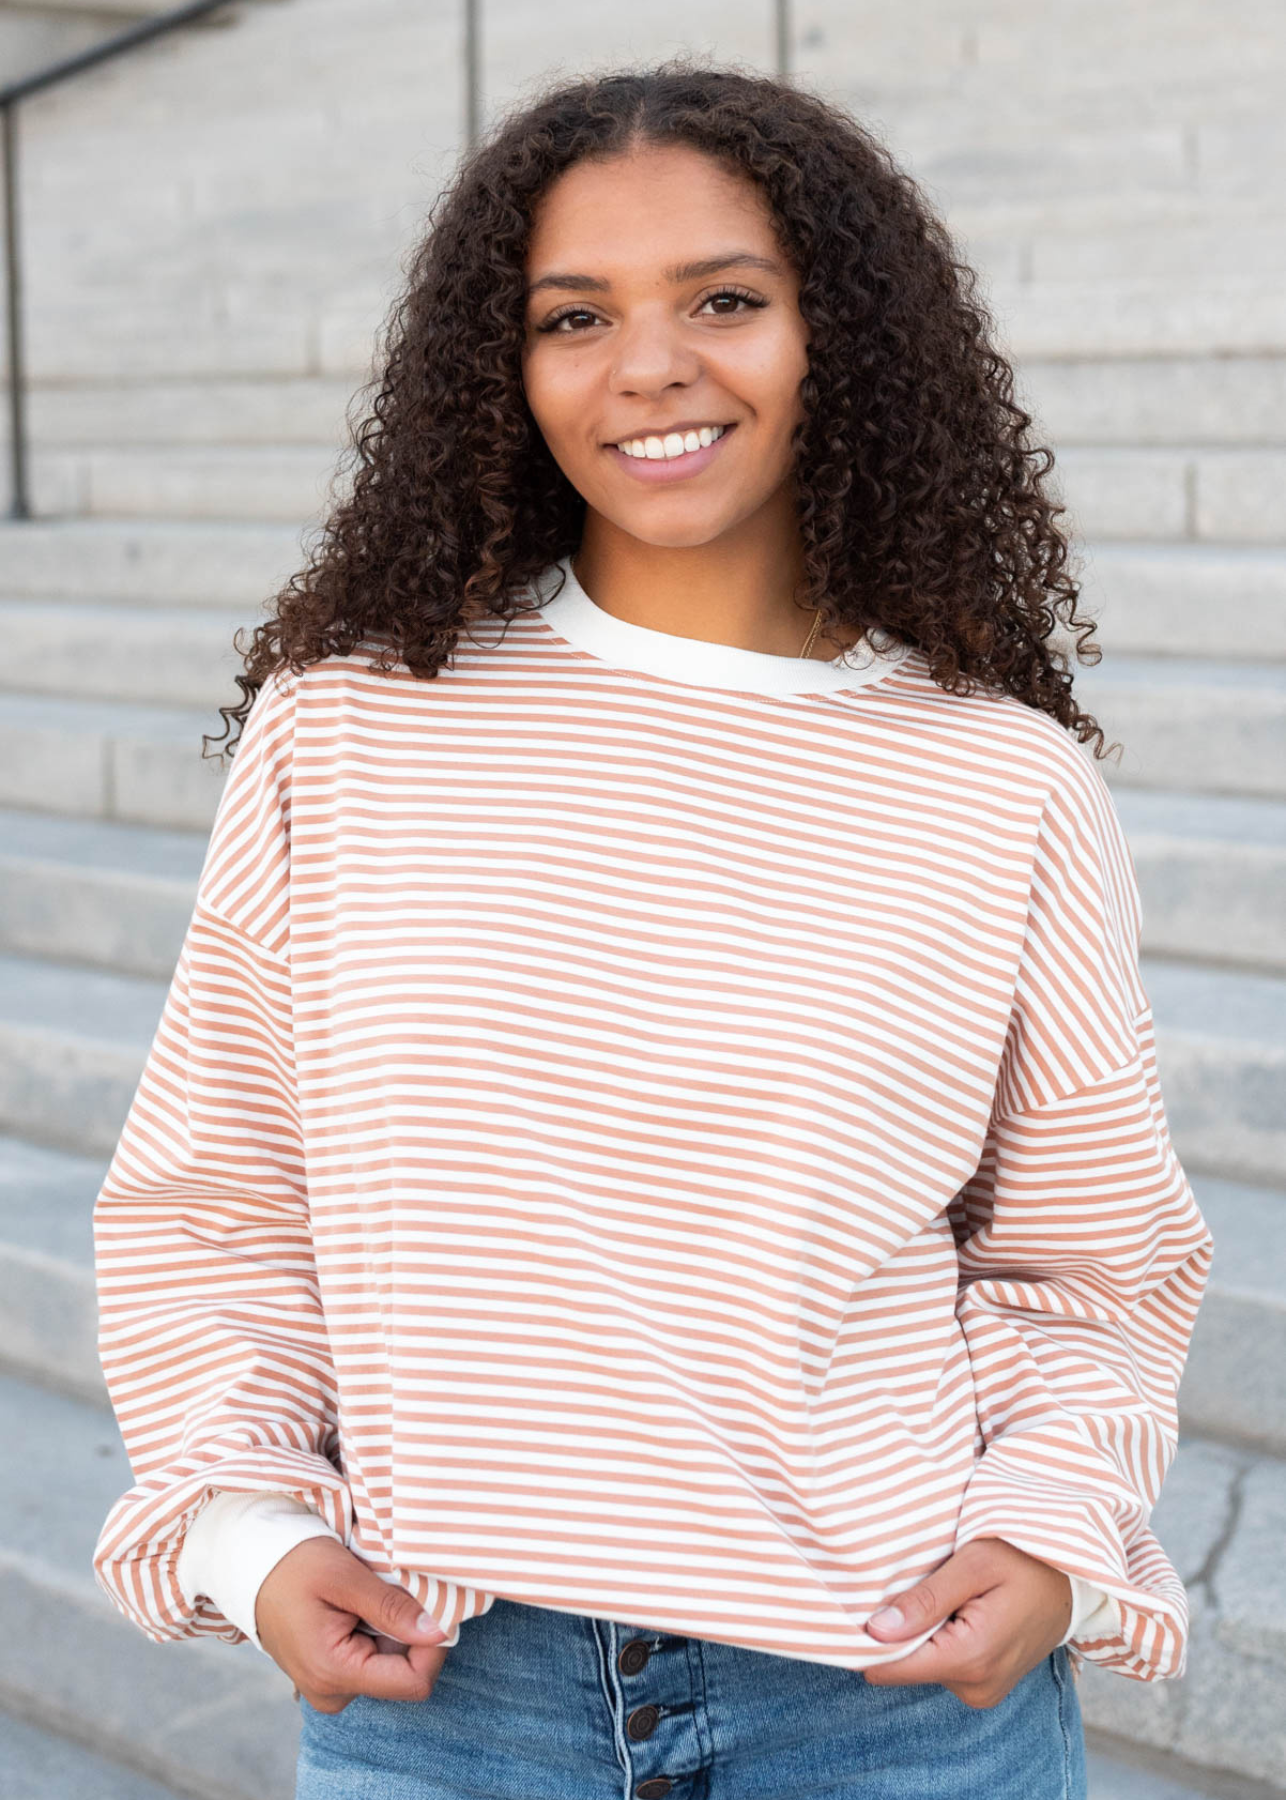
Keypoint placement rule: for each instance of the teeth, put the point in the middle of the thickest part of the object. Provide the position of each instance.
(674, 443)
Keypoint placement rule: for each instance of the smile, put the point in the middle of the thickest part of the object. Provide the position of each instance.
(675, 457)
(673, 444)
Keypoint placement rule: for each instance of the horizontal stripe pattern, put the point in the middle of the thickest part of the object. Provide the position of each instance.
(684, 1154)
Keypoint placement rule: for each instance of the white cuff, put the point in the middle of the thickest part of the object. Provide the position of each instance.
(1094, 1613)
(235, 1541)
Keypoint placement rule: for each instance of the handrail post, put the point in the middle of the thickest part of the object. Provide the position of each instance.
(472, 71)
(781, 23)
(20, 507)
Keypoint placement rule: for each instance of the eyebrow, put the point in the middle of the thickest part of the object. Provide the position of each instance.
(689, 271)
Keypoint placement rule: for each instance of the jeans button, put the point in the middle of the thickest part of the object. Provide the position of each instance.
(633, 1657)
(642, 1722)
(655, 1788)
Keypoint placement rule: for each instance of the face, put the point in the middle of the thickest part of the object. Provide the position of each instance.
(659, 303)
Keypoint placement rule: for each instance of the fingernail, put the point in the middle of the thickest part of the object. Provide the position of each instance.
(426, 1622)
(888, 1618)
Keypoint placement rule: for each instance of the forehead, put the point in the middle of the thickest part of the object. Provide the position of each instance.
(657, 204)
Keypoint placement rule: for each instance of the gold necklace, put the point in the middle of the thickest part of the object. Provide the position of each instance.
(808, 641)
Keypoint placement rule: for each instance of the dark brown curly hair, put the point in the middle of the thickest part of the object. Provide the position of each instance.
(921, 502)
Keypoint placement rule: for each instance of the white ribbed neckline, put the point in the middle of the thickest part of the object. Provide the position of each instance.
(580, 622)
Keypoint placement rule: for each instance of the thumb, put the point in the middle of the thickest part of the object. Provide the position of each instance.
(930, 1602)
(384, 1605)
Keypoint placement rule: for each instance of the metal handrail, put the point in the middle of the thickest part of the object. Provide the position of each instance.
(10, 95)
(16, 91)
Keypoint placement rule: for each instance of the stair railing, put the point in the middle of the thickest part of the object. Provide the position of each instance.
(16, 91)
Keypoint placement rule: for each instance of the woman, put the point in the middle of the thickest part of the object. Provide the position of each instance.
(647, 1255)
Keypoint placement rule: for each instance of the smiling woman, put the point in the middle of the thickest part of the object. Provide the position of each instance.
(648, 1230)
(665, 348)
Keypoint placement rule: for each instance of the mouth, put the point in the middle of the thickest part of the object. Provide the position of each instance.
(670, 458)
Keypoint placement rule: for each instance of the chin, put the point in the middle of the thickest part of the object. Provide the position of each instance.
(679, 534)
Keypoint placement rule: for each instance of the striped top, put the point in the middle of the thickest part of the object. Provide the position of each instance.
(653, 1129)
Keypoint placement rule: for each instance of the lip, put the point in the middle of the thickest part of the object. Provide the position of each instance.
(678, 468)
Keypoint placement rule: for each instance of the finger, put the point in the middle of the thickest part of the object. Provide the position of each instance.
(949, 1656)
(385, 1607)
(357, 1666)
(960, 1579)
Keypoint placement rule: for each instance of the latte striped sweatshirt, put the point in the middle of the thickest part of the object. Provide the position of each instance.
(648, 1128)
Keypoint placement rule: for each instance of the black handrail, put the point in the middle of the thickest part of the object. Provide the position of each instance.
(10, 95)
(15, 91)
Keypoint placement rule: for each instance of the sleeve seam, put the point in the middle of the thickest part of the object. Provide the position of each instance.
(1033, 1112)
(240, 931)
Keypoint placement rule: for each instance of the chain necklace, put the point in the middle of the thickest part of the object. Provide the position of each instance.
(808, 641)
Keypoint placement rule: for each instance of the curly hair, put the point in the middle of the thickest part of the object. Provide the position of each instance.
(921, 503)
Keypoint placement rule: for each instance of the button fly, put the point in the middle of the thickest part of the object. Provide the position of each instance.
(642, 1722)
(633, 1657)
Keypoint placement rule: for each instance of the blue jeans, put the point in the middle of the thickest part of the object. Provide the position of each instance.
(536, 1704)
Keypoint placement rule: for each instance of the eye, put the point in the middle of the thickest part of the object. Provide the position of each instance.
(556, 319)
(569, 312)
(741, 294)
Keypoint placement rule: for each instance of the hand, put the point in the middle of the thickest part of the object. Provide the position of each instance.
(1004, 1612)
(307, 1611)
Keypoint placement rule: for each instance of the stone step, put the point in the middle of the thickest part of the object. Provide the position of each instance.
(1221, 1036)
(72, 1046)
(1093, 400)
(1174, 494)
(1234, 1388)
(102, 759)
(125, 653)
(1184, 600)
(1210, 869)
(1221, 1516)
(72, 1040)
(320, 334)
(166, 563)
(1119, 1771)
(215, 1720)
(41, 1765)
(1126, 401)
(95, 891)
(260, 482)
(1190, 723)
(1166, 493)
(1214, 601)
(1178, 598)
(117, 896)
(1226, 315)
(221, 1719)
(1183, 723)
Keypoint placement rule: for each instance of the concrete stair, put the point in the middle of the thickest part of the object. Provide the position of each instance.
(204, 287)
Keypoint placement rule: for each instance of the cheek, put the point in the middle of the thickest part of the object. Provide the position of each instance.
(767, 375)
(557, 390)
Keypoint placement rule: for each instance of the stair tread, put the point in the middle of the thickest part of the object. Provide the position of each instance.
(39, 1765)
(1214, 818)
(1128, 667)
(79, 1002)
(136, 717)
(165, 852)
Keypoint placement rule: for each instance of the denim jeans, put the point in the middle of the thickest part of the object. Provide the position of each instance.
(536, 1704)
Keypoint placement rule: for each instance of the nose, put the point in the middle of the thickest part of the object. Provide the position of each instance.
(651, 355)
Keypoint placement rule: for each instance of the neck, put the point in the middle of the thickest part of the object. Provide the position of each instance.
(739, 590)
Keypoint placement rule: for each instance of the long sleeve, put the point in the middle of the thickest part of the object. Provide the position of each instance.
(212, 1337)
(234, 1543)
(1083, 1255)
